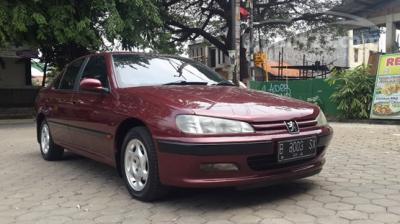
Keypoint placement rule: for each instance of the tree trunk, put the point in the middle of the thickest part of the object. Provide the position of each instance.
(44, 74)
(28, 72)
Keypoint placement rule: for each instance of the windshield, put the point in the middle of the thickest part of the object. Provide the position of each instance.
(145, 70)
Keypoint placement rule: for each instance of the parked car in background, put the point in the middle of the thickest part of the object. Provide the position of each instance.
(166, 121)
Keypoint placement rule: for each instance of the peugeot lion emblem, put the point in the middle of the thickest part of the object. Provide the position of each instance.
(292, 127)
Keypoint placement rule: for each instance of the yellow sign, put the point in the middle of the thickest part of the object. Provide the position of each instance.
(389, 65)
(260, 61)
(386, 101)
(260, 58)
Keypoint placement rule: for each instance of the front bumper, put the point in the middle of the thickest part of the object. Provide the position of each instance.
(180, 162)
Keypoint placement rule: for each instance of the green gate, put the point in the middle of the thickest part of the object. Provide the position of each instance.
(313, 90)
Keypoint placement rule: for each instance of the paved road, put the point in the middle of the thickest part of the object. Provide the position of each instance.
(360, 184)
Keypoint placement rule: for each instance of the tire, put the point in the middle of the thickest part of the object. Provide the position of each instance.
(139, 166)
(50, 151)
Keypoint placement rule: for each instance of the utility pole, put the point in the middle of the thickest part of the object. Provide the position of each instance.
(251, 27)
(364, 49)
(234, 52)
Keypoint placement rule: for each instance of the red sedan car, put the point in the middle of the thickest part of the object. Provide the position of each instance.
(167, 121)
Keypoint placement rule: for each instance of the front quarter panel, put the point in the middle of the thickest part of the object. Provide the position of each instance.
(41, 101)
(157, 116)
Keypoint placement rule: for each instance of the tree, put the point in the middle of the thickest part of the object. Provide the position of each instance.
(66, 29)
(211, 19)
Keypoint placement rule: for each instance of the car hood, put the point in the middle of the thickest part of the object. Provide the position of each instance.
(227, 102)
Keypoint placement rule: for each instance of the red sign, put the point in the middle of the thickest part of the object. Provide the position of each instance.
(244, 14)
(395, 61)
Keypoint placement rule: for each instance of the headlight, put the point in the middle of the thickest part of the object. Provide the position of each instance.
(193, 124)
(321, 119)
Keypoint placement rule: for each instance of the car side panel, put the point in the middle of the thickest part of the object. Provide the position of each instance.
(91, 129)
(58, 107)
(93, 124)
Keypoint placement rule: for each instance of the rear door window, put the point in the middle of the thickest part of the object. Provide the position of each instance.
(69, 78)
(56, 82)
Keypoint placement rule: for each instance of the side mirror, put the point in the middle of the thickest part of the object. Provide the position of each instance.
(90, 84)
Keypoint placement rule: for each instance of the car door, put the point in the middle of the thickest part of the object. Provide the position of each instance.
(93, 111)
(61, 105)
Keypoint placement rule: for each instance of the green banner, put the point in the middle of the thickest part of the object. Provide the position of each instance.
(314, 91)
(386, 102)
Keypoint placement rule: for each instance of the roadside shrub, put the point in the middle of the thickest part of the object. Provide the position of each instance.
(353, 92)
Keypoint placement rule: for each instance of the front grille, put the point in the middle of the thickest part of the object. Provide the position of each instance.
(265, 162)
(280, 126)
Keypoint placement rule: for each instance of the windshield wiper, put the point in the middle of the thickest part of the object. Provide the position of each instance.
(185, 83)
(224, 83)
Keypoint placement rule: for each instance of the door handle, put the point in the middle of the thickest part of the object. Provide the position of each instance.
(77, 102)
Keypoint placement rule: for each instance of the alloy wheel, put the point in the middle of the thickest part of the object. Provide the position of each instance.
(136, 164)
(45, 139)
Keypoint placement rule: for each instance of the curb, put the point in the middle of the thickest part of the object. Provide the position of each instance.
(17, 121)
(379, 122)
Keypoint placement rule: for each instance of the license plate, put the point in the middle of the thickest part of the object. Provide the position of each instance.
(297, 149)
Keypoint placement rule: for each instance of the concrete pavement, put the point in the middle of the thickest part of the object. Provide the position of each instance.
(360, 184)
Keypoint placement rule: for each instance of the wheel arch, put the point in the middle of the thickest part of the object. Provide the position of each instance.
(39, 119)
(120, 134)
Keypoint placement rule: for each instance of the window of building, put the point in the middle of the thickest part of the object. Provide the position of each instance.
(219, 57)
(213, 59)
(356, 54)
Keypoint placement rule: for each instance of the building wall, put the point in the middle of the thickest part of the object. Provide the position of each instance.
(199, 52)
(344, 53)
(208, 55)
(12, 73)
(359, 54)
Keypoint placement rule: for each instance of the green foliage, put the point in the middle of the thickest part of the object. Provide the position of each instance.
(211, 19)
(354, 91)
(66, 29)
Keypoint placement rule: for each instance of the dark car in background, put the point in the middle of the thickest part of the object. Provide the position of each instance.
(166, 121)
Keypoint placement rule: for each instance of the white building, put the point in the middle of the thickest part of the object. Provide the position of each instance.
(16, 88)
(334, 51)
(209, 55)
(15, 67)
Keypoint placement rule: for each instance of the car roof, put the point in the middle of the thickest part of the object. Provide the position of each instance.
(134, 53)
(129, 53)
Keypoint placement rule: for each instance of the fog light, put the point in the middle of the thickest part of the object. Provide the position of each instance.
(212, 167)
